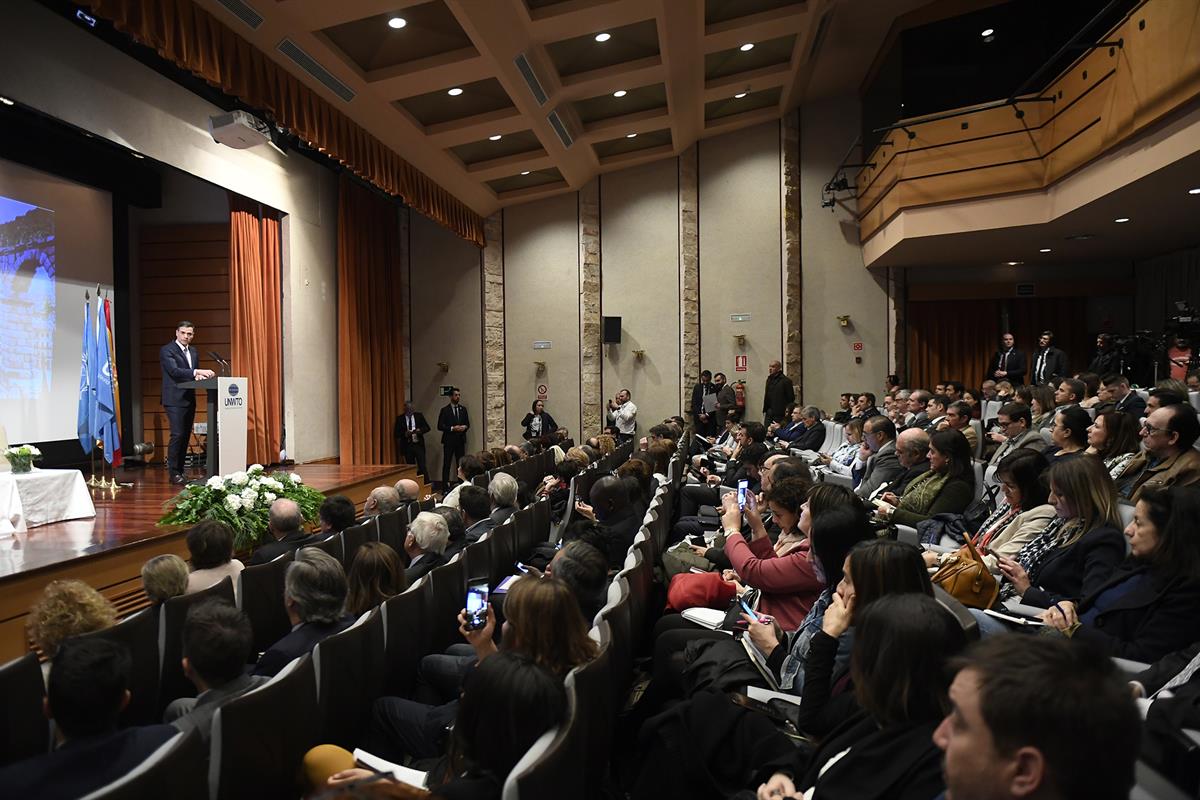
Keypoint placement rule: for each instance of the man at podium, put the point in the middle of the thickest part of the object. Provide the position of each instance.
(180, 363)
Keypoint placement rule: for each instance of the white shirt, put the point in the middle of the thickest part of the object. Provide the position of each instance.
(625, 417)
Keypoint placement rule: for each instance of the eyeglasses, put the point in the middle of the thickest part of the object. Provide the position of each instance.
(1148, 428)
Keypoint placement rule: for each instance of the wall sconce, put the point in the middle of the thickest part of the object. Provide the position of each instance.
(740, 338)
(639, 354)
(541, 367)
(443, 366)
(844, 320)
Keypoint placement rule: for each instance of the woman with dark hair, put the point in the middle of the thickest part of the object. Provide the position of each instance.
(210, 544)
(1091, 389)
(1113, 438)
(971, 398)
(1079, 549)
(375, 576)
(537, 422)
(1041, 407)
(1151, 605)
(885, 749)
(946, 488)
(1069, 434)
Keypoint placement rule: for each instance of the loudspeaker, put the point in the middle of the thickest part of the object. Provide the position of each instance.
(611, 330)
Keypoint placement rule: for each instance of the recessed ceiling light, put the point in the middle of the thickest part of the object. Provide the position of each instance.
(747, 47)
(1190, 191)
(630, 135)
(620, 93)
(739, 95)
(455, 92)
(1121, 219)
(1044, 250)
(603, 37)
(6, 101)
(397, 22)
(987, 32)
(136, 155)
(526, 172)
(495, 137)
(1014, 263)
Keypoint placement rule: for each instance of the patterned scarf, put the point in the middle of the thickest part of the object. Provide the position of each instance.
(995, 524)
(920, 494)
(1033, 553)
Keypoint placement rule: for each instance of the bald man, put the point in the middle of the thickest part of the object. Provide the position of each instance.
(285, 525)
(777, 395)
(610, 507)
(381, 500)
(407, 489)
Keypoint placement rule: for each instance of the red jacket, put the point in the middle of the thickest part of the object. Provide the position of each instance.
(789, 585)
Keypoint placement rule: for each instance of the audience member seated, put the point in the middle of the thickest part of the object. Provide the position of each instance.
(502, 492)
(611, 508)
(210, 543)
(557, 487)
(958, 417)
(1005, 393)
(809, 435)
(1091, 389)
(841, 460)
(1069, 435)
(1068, 393)
(636, 475)
(912, 451)
(542, 622)
(747, 458)
(164, 577)
(283, 526)
(217, 643)
(1161, 398)
(1150, 606)
(1015, 432)
(918, 408)
(1127, 401)
(469, 468)
(1041, 406)
(476, 509)
(381, 500)
(375, 576)
(885, 749)
(337, 513)
(864, 406)
(314, 596)
(584, 569)
(67, 608)
(1167, 457)
(456, 529)
(1078, 551)
(1113, 438)
(878, 456)
(936, 409)
(971, 398)
(408, 490)
(947, 488)
(88, 689)
(1034, 717)
(425, 544)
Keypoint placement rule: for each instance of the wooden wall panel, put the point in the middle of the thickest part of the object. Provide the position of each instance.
(183, 273)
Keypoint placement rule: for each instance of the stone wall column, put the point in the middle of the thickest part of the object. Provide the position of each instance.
(689, 275)
(789, 231)
(495, 432)
(590, 364)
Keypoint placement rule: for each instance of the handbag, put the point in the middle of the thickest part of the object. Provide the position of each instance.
(966, 578)
(978, 512)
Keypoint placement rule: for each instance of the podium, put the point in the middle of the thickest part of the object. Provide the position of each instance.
(226, 423)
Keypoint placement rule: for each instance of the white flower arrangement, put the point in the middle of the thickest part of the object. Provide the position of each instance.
(25, 451)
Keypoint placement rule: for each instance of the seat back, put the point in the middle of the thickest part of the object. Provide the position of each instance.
(598, 716)
(979, 467)
(977, 426)
(355, 537)
(541, 521)
(827, 443)
(618, 614)
(449, 597)
(406, 636)
(173, 613)
(259, 738)
(543, 770)
(177, 769)
(480, 557)
(349, 673)
(639, 572)
(504, 547)
(392, 526)
(139, 634)
(24, 729)
(331, 544)
(260, 596)
(960, 613)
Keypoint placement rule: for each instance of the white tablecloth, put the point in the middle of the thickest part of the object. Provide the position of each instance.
(41, 497)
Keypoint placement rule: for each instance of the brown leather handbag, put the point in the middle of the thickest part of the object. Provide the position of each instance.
(966, 578)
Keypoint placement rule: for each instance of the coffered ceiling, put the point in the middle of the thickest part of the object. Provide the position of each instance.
(454, 87)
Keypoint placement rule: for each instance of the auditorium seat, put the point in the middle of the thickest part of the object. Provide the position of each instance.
(177, 769)
(597, 716)
(393, 526)
(260, 596)
(259, 738)
(331, 545)
(449, 597)
(545, 769)
(639, 572)
(139, 634)
(541, 521)
(960, 612)
(1151, 785)
(618, 614)
(504, 544)
(977, 426)
(349, 669)
(24, 729)
(406, 619)
(479, 557)
(173, 614)
(355, 537)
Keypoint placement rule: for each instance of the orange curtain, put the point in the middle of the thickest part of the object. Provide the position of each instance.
(255, 269)
(190, 37)
(370, 342)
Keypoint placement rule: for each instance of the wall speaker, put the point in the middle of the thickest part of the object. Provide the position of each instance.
(611, 330)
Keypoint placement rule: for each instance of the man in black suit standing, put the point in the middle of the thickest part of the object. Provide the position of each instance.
(180, 362)
(454, 423)
(1049, 363)
(409, 433)
(1008, 364)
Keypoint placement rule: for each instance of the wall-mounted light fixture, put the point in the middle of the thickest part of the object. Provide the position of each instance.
(541, 367)
(740, 338)
(844, 320)
(640, 355)
(444, 366)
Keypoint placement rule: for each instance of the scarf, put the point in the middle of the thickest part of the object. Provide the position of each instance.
(1033, 553)
(788, 542)
(995, 524)
(920, 494)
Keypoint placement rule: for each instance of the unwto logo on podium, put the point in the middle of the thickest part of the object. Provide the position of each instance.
(233, 400)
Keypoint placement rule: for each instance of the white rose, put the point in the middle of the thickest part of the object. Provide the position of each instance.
(271, 483)
(215, 482)
(255, 469)
(233, 502)
(249, 496)
(269, 497)
(239, 478)
(296, 478)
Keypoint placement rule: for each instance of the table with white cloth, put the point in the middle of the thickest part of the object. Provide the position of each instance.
(42, 496)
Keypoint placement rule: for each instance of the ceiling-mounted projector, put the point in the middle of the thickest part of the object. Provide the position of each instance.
(239, 130)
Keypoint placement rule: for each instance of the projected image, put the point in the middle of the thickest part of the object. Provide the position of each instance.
(27, 303)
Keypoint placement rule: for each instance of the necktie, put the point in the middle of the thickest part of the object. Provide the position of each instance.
(1184, 675)
(455, 414)
(1004, 361)
(411, 424)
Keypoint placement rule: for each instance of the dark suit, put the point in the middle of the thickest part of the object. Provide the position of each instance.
(619, 531)
(699, 392)
(810, 439)
(83, 765)
(478, 529)
(180, 404)
(410, 441)
(882, 467)
(1151, 620)
(454, 443)
(1076, 571)
(1133, 405)
(196, 713)
(501, 515)
(901, 483)
(1047, 364)
(726, 405)
(288, 544)
(1014, 365)
(422, 565)
(303, 639)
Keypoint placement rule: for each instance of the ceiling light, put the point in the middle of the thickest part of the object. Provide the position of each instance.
(6, 101)
(987, 32)
(1014, 263)
(620, 93)
(1044, 250)
(1190, 191)
(747, 47)
(495, 137)
(630, 135)
(397, 22)
(1121, 219)
(455, 92)
(136, 155)
(603, 37)
(739, 95)
(526, 172)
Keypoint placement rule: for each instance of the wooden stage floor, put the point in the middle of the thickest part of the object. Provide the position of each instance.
(107, 551)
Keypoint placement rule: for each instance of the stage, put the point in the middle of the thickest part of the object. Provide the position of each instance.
(108, 551)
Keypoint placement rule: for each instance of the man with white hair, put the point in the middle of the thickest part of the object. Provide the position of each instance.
(314, 596)
(425, 544)
(502, 491)
(381, 500)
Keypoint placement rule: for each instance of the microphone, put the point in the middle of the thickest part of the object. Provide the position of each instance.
(220, 361)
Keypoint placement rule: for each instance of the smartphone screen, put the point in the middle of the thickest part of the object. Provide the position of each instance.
(743, 485)
(477, 600)
(522, 568)
(748, 609)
